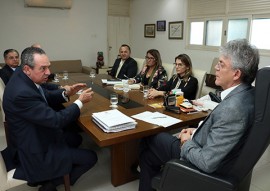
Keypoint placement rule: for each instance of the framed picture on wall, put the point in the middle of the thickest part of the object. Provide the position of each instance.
(149, 30)
(176, 30)
(161, 25)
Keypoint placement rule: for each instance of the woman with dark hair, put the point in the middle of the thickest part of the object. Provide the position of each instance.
(183, 80)
(152, 74)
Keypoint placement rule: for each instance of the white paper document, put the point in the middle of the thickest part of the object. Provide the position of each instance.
(111, 82)
(157, 118)
(119, 86)
(113, 121)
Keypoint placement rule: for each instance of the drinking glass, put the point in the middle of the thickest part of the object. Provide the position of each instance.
(65, 75)
(114, 100)
(145, 91)
(92, 74)
(56, 77)
(125, 86)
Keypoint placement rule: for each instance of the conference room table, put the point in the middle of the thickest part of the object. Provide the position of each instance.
(124, 145)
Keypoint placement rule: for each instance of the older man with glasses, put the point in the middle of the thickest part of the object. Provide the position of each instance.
(11, 57)
(213, 146)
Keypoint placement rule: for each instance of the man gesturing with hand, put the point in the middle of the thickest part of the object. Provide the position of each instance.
(37, 146)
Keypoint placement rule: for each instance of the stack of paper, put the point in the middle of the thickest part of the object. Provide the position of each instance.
(111, 81)
(119, 86)
(113, 121)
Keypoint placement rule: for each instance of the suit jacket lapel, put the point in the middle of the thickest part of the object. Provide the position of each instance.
(240, 88)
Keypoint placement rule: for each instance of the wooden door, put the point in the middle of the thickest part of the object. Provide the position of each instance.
(118, 34)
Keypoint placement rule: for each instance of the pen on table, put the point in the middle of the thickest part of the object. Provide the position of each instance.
(158, 117)
(192, 112)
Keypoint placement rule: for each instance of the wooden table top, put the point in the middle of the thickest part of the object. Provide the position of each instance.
(102, 103)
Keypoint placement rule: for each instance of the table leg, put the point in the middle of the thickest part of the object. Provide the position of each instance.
(123, 156)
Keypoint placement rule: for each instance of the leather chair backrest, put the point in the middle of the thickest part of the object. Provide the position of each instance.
(6, 179)
(259, 136)
(200, 75)
(2, 88)
(169, 67)
(140, 64)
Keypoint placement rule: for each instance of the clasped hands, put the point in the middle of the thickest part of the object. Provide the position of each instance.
(86, 94)
(185, 135)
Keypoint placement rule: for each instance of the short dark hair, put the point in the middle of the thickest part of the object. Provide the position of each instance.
(125, 45)
(8, 51)
(27, 57)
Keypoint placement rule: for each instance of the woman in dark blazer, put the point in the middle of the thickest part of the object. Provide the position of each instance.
(183, 80)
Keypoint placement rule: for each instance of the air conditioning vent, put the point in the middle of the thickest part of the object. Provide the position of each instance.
(62, 4)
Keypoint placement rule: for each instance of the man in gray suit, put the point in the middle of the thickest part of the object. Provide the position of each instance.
(215, 143)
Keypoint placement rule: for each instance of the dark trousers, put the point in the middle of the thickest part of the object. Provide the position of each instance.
(155, 151)
(73, 139)
(82, 160)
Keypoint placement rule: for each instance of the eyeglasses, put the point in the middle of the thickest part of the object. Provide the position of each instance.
(149, 58)
(13, 57)
(219, 65)
(179, 65)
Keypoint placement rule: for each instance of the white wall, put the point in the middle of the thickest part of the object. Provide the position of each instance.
(76, 33)
(148, 12)
(80, 32)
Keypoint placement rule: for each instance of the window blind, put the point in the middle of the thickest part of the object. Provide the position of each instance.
(201, 8)
(248, 7)
(210, 8)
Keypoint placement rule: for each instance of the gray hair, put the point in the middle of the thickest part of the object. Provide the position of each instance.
(244, 57)
(27, 57)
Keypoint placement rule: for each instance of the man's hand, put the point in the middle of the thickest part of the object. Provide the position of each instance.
(71, 90)
(86, 95)
(185, 135)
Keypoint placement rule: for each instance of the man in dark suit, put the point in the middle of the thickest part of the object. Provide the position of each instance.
(12, 63)
(213, 146)
(124, 67)
(11, 57)
(37, 146)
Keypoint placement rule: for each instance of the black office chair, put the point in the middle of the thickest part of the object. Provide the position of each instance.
(181, 175)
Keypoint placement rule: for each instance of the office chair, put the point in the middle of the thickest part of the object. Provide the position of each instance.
(6, 179)
(200, 75)
(181, 174)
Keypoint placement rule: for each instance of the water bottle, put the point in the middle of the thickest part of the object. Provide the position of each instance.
(179, 97)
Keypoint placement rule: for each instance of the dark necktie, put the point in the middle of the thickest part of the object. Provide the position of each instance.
(42, 93)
